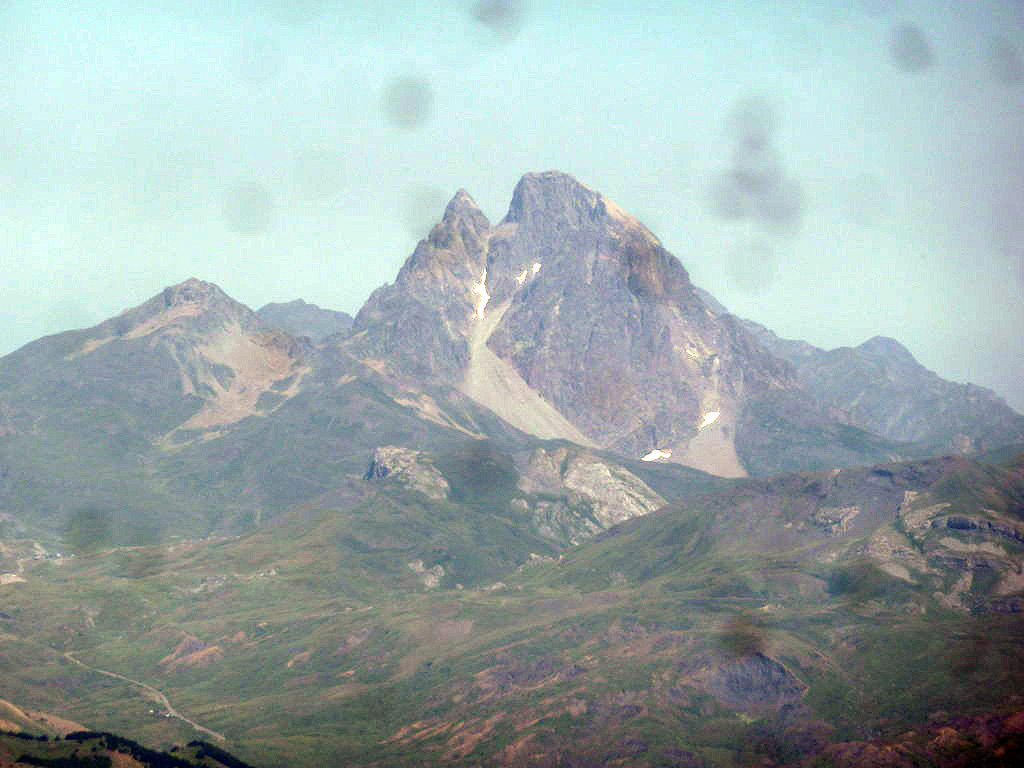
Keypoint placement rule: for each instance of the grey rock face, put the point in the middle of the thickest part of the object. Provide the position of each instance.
(420, 323)
(610, 493)
(754, 683)
(611, 330)
(409, 468)
(301, 319)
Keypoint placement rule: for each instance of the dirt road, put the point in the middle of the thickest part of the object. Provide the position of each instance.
(153, 694)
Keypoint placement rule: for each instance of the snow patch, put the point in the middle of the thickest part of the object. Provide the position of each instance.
(521, 277)
(656, 454)
(480, 289)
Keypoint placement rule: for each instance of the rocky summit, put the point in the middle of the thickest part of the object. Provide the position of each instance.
(569, 319)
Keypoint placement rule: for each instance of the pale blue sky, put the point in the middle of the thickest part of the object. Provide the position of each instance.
(290, 149)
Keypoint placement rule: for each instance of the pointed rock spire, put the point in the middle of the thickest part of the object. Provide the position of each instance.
(553, 195)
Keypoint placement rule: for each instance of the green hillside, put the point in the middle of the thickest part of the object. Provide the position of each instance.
(776, 619)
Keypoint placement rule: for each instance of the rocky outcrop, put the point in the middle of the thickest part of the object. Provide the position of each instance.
(958, 523)
(409, 468)
(431, 577)
(753, 683)
(594, 494)
(970, 556)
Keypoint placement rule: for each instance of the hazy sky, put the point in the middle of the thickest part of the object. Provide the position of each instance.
(834, 170)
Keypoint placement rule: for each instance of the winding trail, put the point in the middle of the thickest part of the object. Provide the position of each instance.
(153, 694)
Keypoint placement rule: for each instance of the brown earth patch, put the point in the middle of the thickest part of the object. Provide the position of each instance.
(257, 362)
(354, 640)
(121, 760)
(466, 739)
(421, 729)
(188, 644)
(191, 652)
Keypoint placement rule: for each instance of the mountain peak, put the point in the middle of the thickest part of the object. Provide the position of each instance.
(551, 194)
(461, 204)
(193, 291)
(462, 228)
(887, 348)
(462, 210)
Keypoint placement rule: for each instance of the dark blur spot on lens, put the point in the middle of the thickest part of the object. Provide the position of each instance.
(782, 208)
(968, 654)
(422, 209)
(878, 7)
(742, 636)
(1005, 62)
(755, 186)
(860, 582)
(259, 62)
(88, 530)
(503, 17)
(318, 173)
(909, 49)
(407, 102)
(248, 208)
(139, 531)
(752, 267)
(728, 197)
(752, 122)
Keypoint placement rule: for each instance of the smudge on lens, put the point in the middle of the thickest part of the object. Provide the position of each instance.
(502, 17)
(248, 208)
(422, 209)
(88, 529)
(909, 49)
(407, 102)
(756, 186)
(742, 636)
